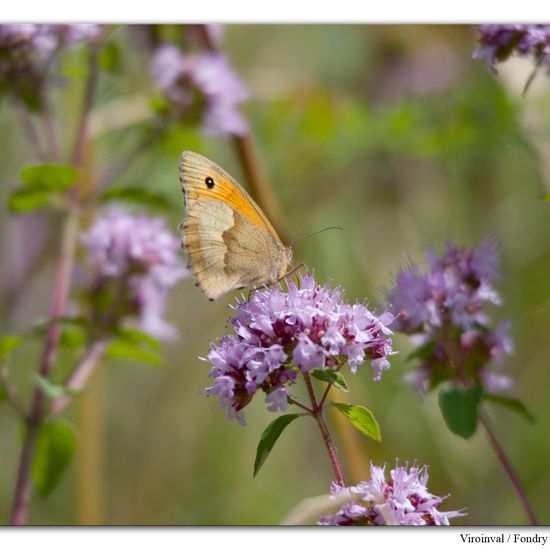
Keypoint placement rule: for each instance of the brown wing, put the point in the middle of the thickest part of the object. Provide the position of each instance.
(229, 241)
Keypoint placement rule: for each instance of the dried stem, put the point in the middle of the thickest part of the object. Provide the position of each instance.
(252, 167)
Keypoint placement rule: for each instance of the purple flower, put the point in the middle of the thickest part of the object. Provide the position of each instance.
(498, 42)
(143, 256)
(404, 499)
(444, 313)
(280, 334)
(26, 52)
(203, 82)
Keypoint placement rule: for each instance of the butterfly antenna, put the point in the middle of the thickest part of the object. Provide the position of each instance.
(316, 233)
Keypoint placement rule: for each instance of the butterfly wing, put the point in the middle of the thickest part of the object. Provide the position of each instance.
(228, 240)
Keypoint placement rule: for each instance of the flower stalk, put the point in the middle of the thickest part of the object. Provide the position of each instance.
(34, 419)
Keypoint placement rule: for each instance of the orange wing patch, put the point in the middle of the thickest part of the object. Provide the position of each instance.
(230, 195)
(202, 179)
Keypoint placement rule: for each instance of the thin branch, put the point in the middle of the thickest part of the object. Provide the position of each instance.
(116, 170)
(456, 364)
(325, 395)
(331, 449)
(32, 135)
(294, 402)
(250, 162)
(59, 301)
(12, 396)
(87, 102)
(506, 464)
(50, 133)
(80, 375)
(327, 439)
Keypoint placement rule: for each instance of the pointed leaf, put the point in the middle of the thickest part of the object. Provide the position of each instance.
(55, 448)
(49, 177)
(511, 403)
(109, 57)
(8, 344)
(332, 377)
(269, 438)
(126, 349)
(51, 391)
(361, 418)
(459, 408)
(27, 200)
(137, 195)
(139, 337)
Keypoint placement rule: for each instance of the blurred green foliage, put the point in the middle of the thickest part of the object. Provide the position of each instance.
(392, 132)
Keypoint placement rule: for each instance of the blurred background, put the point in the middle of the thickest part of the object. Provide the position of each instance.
(394, 133)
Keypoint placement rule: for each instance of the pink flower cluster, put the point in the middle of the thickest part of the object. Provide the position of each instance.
(142, 253)
(280, 334)
(205, 82)
(403, 499)
(445, 313)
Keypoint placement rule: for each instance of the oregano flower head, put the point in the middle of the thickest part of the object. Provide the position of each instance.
(279, 334)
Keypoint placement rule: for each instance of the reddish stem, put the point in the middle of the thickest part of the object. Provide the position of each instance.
(499, 451)
(455, 361)
(59, 301)
(80, 375)
(327, 439)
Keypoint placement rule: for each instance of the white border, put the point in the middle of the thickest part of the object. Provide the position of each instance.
(277, 11)
(235, 538)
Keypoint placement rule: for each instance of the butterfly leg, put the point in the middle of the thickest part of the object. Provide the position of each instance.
(293, 271)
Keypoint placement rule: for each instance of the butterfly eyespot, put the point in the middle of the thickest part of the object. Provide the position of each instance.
(209, 182)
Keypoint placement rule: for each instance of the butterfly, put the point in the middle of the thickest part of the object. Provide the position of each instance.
(228, 240)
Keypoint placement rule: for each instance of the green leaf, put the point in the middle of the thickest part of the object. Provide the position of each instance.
(422, 352)
(361, 418)
(511, 403)
(109, 57)
(137, 195)
(50, 177)
(269, 438)
(332, 377)
(8, 344)
(51, 390)
(3, 392)
(40, 325)
(459, 408)
(139, 337)
(72, 338)
(55, 448)
(122, 348)
(27, 200)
